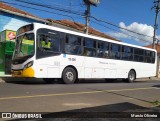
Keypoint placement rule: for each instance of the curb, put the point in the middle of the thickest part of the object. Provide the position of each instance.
(1, 80)
(148, 79)
(155, 78)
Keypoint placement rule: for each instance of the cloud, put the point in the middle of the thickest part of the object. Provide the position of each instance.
(138, 28)
(158, 37)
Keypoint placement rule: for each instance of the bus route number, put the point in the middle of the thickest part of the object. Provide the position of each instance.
(71, 59)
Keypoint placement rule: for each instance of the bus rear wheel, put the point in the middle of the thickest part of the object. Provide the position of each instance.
(131, 76)
(69, 75)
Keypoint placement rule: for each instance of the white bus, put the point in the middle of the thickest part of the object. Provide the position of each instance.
(49, 52)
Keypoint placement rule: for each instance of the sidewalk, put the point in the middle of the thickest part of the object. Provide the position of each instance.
(6, 76)
(1, 80)
(151, 78)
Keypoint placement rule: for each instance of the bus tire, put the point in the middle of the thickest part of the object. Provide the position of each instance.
(69, 75)
(131, 76)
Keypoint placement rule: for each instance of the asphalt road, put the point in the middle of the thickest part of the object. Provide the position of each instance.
(87, 96)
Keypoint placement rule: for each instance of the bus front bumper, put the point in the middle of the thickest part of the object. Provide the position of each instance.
(29, 72)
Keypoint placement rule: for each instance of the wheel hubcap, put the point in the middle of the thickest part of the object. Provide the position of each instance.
(131, 76)
(69, 76)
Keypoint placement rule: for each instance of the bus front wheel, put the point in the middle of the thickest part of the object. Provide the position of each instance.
(69, 75)
(131, 76)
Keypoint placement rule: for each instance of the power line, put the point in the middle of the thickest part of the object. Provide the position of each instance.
(120, 31)
(75, 12)
(40, 10)
(100, 20)
(69, 7)
(73, 19)
(46, 6)
(82, 16)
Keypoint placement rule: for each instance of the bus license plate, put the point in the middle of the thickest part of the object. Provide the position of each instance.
(16, 73)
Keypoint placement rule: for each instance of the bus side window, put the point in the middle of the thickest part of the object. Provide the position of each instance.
(89, 52)
(138, 55)
(90, 43)
(103, 49)
(89, 47)
(153, 56)
(127, 53)
(73, 44)
(141, 54)
(147, 57)
(55, 44)
(45, 41)
(115, 51)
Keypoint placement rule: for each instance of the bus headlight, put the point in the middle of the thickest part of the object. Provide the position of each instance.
(28, 65)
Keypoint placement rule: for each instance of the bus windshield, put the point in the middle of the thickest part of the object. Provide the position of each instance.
(24, 46)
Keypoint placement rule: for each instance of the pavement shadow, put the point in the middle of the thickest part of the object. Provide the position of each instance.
(123, 95)
(116, 111)
(158, 86)
(23, 81)
(36, 81)
(84, 81)
(26, 81)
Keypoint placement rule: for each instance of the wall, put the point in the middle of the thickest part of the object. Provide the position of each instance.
(13, 22)
(2, 61)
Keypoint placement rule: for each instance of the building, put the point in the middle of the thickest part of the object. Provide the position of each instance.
(10, 20)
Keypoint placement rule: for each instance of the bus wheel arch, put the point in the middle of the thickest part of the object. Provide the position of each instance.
(69, 75)
(131, 76)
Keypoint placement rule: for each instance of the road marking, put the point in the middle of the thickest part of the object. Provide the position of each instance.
(76, 93)
(77, 104)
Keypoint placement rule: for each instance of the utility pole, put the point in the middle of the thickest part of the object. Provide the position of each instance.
(87, 13)
(157, 8)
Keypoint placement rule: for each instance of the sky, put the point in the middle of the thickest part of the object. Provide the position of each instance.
(112, 16)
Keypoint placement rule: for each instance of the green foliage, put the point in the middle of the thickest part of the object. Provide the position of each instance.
(156, 103)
